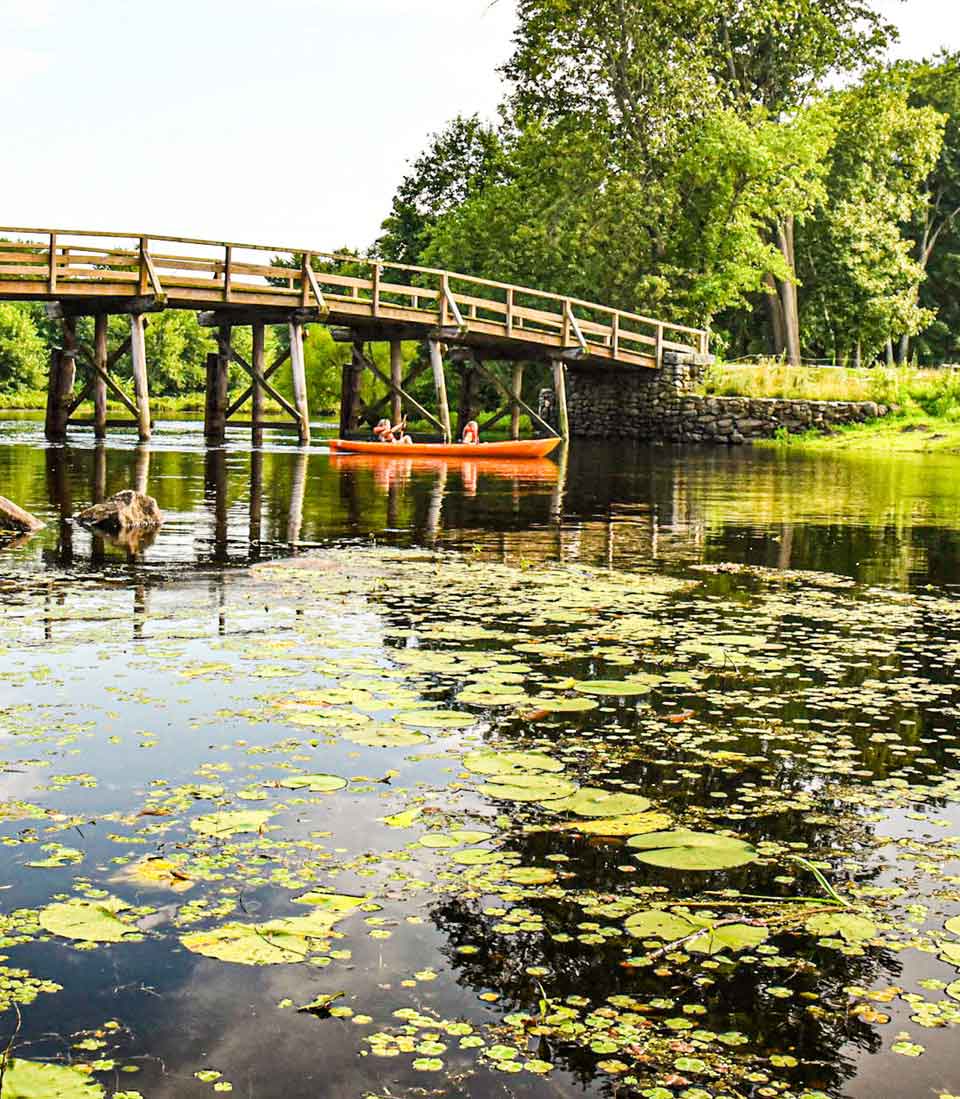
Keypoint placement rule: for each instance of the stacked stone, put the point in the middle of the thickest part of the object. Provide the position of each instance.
(661, 406)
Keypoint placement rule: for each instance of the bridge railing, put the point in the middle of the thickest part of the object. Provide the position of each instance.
(190, 272)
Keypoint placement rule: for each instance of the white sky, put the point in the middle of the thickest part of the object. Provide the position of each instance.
(270, 121)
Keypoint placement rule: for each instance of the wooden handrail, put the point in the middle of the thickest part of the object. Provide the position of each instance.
(102, 268)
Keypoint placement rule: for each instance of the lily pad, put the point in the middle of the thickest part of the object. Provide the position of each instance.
(530, 875)
(232, 823)
(731, 936)
(436, 719)
(653, 923)
(562, 705)
(539, 787)
(590, 801)
(35, 1080)
(618, 688)
(316, 784)
(850, 928)
(386, 737)
(686, 850)
(86, 921)
(488, 761)
(633, 824)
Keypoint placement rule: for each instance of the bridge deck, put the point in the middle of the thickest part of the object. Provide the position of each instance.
(101, 272)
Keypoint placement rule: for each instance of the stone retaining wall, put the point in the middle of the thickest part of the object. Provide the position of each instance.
(661, 405)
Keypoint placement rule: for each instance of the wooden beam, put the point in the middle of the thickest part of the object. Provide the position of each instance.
(560, 391)
(141, 388)
(299, 370)
(59, 392)
(375, 410)
(218, 382)
(100, 357)
(465, 406)
(378, 373)
(505, 392)
(440, 385)
(248, 392)
(278, 397)
(396, 381)
(517, 390)
(258, 363)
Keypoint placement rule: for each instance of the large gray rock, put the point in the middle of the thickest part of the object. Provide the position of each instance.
(127, 510)
(14, 520)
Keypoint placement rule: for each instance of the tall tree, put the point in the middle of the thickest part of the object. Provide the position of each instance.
(463, 158)
(935, 225)
(859, 277)
(650, 66)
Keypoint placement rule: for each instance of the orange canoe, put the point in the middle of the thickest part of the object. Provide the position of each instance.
(517, 448)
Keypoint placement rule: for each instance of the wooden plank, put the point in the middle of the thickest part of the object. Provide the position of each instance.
(375, 410)
(52, 265)
(278, 397)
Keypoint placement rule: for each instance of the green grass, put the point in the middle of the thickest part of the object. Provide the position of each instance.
(912, 433)
(933, 392)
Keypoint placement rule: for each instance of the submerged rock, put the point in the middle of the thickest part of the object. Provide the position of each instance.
(14, 520)
(127, 510)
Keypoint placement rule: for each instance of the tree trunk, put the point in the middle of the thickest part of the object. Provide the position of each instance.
(903, 351)
(777, 342)
(788, 294)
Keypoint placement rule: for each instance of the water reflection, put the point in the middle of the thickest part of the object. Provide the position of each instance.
(891, 521)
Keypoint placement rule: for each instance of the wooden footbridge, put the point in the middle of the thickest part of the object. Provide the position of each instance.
(476, 322)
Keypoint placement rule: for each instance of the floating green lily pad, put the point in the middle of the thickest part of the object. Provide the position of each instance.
(86, 921)
(849, 927)
(539, 787)
(653, 923)
(617, 688)
(232, 823)
(488, 761)
(316, 784)
(436, 719)
(687, 850)
(633, 824)
(590, 801)
(386, 737)
(35, 1080)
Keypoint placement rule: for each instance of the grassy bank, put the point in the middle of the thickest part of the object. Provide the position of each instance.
(925, 404)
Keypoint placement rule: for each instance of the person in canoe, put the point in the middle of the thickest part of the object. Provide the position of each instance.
(471, 433)
(392, 433)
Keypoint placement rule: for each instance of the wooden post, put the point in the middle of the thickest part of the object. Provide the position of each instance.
(517, 391)
(100, 361)
(298, 489)
(465, 408)
(258, 362)
(215, 406)
(138, 353)
(59, 393)
(440, 384)
(299, 369)
(350, 390)
(396, 376)
(560, 392)
(256, 503)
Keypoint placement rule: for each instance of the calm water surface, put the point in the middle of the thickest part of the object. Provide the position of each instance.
(143, 684)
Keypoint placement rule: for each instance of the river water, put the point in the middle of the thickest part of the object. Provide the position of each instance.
(297, 703)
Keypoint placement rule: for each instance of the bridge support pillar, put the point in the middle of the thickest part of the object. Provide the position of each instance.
(299, 369)
(59, 393)
(517, 392)
(218, 378)
(468, 375)
(259, 364)
(560, 395)
(100, 366)
(141, 389)
(396, 379)
(440, 385)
